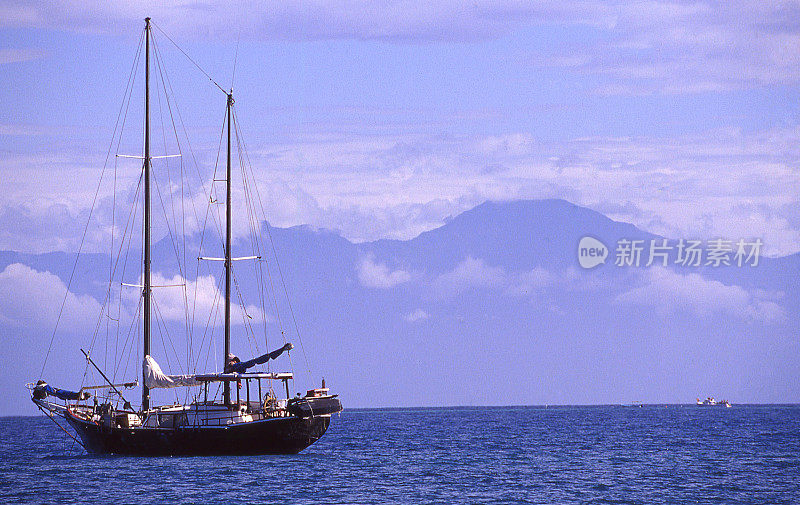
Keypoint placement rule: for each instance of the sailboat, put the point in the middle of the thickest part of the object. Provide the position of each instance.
(253, 421)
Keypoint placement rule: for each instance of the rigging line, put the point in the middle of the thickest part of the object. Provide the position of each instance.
(137, 338)
(173, 244)
(182, 267)
(272, 286)
(119, 141)
(190, 320)
(110, 263)
(189, 146)
(186, 322)
(215, 218)
(211, 313)
(119, 328)
(248, 328)
(161, 337)
(169, 228)
(257, 267)
(253, 242)
(205, 220)
(163, 206)
(272, 289)
(262, 299)
(251, 214)
(264, 303)
(161, 71)
(128, 226)
(129, 93)
(133, 324)
(277, 262)
(256, 246)
(189, 57)
(215, 313)
(194, 302)
(129, 236)
(188, 142)
(48, 414)
(186, 266)
(111, 259)
(278, 315)
(131, 217)
(166, 162)
(135, 342)
(86, 227)
(251, 217)
(164, 80)
(97, 327)
(162, 333)
(235, 57)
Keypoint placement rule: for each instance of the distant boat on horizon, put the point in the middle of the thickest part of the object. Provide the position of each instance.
(711, 402)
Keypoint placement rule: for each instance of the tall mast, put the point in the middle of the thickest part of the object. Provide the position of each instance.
(146, 308)
(227, 350)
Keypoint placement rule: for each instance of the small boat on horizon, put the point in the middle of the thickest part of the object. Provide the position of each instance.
(711, 402)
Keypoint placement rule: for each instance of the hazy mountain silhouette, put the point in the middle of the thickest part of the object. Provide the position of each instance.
(490, 308)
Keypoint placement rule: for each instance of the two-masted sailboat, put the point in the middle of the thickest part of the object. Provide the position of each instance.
(258, 419)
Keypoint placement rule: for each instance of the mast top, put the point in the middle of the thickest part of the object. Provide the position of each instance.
(147, 20)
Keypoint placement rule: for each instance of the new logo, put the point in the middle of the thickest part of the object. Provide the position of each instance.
(591, 252)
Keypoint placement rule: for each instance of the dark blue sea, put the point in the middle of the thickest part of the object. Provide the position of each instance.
(609, 454)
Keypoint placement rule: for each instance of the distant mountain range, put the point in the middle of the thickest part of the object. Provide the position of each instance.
(491, 308)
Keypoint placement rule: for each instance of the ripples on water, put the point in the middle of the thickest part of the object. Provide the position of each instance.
(676, 454)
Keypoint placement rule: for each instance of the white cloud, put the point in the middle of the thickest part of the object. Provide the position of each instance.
(372, 274)
(201, 297)
(645, 47)
(416, 316)
(533, 281)
(32, 299)
(18, 55)
(396, 20)
(721, 183)
(470, 273)
(715, 183)
(474, 273)
(381, 180)
(23, 129)
(673, 48)
(670, 292)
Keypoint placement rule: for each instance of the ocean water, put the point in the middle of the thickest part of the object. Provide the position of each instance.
(609, 454)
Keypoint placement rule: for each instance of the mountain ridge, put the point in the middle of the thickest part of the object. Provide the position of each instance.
(491, 307)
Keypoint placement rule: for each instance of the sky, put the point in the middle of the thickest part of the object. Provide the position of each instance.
(387, 119)
(383, 119)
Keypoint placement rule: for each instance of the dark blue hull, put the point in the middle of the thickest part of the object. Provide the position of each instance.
(285, 435)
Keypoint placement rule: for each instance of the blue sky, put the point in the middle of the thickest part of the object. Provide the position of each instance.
(382, 119)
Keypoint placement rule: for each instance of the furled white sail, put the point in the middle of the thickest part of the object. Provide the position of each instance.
(155, 378)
